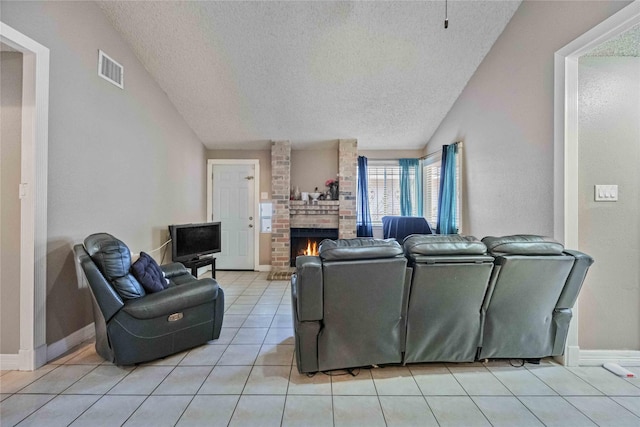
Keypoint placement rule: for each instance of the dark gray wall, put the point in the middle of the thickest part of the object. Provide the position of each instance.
(120, 161)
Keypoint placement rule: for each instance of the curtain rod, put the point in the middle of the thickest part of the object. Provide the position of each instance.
(459, 143)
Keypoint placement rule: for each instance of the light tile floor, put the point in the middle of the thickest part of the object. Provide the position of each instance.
(248, 378)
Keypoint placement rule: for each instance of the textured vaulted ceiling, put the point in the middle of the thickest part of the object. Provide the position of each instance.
(626, 44)
(242, 73)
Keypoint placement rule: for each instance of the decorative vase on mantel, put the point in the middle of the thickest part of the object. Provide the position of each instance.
(333, 191)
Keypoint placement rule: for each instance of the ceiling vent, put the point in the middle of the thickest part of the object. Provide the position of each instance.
(110, 70)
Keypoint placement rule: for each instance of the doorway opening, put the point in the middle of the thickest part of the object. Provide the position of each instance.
(566, 163)
(33, 200)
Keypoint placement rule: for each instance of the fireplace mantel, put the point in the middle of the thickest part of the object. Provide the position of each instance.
(320, 214)
(309, 207)
(340, 214)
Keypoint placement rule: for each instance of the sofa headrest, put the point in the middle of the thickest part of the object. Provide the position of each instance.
(359, 248)
(523, 244)
(445, 244)
(113, 259)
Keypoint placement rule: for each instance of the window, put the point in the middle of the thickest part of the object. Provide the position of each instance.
(383, 180)
(431, 187)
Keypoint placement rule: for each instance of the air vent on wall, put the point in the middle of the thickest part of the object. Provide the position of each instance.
(110, 70)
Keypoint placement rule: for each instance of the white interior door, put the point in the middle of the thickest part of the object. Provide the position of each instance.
(233, 205)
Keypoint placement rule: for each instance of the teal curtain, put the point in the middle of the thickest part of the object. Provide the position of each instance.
(407, 166)
(447, 204)
(363, 214)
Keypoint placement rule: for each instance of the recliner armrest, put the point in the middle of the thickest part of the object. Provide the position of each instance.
(173, 300)
(174, 269)
(308, 288)
(575, 280)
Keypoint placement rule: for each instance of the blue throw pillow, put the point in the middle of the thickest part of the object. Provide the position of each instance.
(149, 273)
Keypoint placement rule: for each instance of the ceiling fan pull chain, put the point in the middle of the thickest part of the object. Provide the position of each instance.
(446, 13)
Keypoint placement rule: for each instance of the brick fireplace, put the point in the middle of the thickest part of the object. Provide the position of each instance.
(331, 214)
(306, 241)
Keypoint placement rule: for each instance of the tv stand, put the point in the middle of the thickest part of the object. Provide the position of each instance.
(195, 264)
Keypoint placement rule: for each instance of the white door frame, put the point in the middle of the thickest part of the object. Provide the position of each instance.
(256, 198)
(566, 140)
(33, 229)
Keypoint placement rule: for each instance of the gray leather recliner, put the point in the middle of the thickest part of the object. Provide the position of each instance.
(349, 305)
(134, 327)
(534, 285)
(450, 278)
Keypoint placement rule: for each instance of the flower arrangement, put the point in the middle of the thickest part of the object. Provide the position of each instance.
(333, 188)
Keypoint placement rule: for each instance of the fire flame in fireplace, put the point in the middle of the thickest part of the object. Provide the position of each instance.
(312, 248)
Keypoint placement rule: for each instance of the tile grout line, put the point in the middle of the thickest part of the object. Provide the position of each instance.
(247, 380)
(468, 395)
(196, 393)
(595, 386)
(151, 392)
(375, 387)
(514, 395)
(106, 393)
(564, 397)
(423, 396)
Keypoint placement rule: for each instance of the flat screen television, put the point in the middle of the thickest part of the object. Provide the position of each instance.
(191, 241)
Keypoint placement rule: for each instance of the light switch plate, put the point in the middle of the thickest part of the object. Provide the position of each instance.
(606, 193)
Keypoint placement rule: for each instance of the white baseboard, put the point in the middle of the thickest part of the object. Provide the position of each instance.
(9, 362)
(24, 360)
(40, 358)
(60, 347)
(571, 356)
(599, 357)
(264, 267)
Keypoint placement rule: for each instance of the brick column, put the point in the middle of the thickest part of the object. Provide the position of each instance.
(280, 191)
(347, 175)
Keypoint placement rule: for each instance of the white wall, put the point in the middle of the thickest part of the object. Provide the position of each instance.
(10, 146)
(505, 118)
(120, 161)
(609, 153)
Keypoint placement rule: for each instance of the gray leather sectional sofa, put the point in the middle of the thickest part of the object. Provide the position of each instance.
(437, 298)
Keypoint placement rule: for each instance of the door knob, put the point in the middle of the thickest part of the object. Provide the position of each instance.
(250, 218)
(250, 225)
